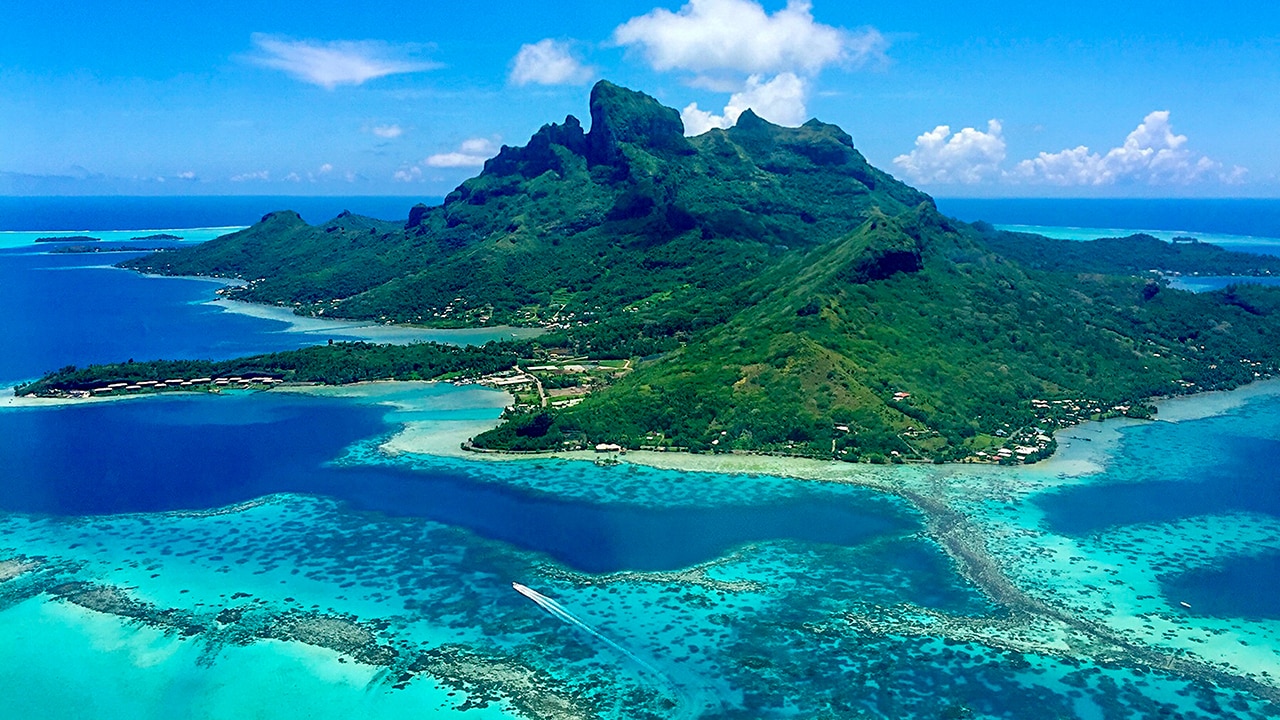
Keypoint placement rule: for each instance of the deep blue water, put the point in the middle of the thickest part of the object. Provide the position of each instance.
(195, 453)
(1259, 217)
(1239, 587)
(1165, 472)
(145, 213)
(1238, 473)
(56, 313)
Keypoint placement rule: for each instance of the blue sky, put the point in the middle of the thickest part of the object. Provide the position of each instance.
(1163, 99)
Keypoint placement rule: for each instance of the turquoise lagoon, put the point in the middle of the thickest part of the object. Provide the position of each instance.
(28, 238)
(78, 308)
(280, 555)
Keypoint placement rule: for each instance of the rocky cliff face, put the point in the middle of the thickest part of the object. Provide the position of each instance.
(622, 117)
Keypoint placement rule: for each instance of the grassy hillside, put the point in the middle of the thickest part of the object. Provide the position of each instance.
(918, 308)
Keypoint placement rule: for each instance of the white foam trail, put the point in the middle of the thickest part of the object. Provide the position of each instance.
(688, 704)
(556, 609)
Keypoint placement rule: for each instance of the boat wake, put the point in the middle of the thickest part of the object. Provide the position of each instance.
(687, 705)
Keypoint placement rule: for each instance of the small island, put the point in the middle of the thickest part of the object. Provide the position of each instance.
(158, 236)
(102, 248)
(68, 238)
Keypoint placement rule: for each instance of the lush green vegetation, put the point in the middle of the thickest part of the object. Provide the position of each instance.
(969, 337)
(777, 292)
(334, 364)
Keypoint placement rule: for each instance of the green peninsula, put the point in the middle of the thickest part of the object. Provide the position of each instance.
(767, 290)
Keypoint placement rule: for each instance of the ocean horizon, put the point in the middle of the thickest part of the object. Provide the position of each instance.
(1256, 217)
(65, 213)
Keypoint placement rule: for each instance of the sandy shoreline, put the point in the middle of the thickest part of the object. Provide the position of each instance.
(370, 330)
(1082, 449)
(10, 401)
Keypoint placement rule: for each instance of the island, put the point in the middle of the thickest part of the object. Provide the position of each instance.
(754, 289)
(102, 247)
(68, 238)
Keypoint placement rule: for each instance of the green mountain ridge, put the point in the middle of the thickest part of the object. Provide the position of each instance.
(788, 295)
(554, 223)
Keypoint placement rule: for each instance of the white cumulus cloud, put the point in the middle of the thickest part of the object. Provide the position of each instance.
(330, 64)
(471, 153)
(780, 100)
(548, 62)
(1153, 153)
(966, 157)
(741, 36)
(767, 61)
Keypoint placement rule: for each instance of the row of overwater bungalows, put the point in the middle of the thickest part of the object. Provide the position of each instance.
(178, 383)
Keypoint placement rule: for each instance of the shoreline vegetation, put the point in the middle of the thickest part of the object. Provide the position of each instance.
(558, 382)
(332, 364)
(67, 239)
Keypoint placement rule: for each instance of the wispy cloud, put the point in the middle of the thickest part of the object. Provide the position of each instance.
(330, 64)
(472, 153)
(408, 174)
(388, 132)
(259, 176)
